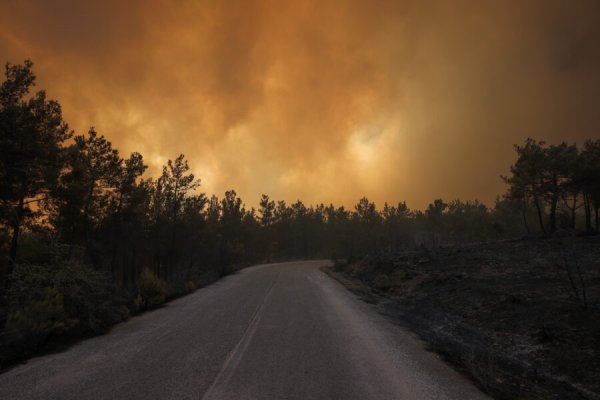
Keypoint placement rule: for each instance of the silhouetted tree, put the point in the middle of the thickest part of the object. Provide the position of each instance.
(127, 212)
(175, 183)
(232, 214)
(31, 133)
(557, 176)
(527, 182)
(397, 221)
(587, 179)
(266, 211)
(367, 221)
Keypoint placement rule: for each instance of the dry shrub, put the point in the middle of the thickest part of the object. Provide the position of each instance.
(152, 290)
(41, 317)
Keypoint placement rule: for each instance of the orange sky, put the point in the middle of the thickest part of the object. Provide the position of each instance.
(324, 101)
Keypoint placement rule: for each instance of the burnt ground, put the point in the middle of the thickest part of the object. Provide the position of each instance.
(506, 313)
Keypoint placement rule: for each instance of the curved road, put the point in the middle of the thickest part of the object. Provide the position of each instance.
(277, 331)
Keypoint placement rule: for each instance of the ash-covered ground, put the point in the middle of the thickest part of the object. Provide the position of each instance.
(521, 317)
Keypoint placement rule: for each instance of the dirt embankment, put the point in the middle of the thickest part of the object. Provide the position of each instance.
(522, 318)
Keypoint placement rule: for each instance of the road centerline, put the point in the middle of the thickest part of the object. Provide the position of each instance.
(234, 357)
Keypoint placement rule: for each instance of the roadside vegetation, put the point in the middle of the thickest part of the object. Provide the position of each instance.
(89, 239)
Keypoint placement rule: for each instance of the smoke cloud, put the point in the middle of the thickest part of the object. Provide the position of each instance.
(320, 101)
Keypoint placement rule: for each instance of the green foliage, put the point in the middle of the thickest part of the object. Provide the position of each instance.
(190, 286)
(35, 247)
(152, 290)
(46, 300)
(90, 297)
(42, 316)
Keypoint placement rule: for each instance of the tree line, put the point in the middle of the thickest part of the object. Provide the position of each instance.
(71, 205)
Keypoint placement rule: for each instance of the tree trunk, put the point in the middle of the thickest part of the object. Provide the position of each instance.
(553, 205)
(124, 271)
(596, 207)
(132, 267)
(171, 256)
(86, 212)
(573, 211)
(525, 217)
(588, 212)
(16, 231)
(115, 235)
(539, 213)
(113, 258)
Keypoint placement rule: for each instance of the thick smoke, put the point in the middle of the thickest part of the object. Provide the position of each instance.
(323, 101)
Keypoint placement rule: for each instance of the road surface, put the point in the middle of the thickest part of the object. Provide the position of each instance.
(278, 331)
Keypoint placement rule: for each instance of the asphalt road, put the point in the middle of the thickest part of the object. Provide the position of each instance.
(278, 331)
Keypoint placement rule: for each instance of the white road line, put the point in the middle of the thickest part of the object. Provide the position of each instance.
(215, 391)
